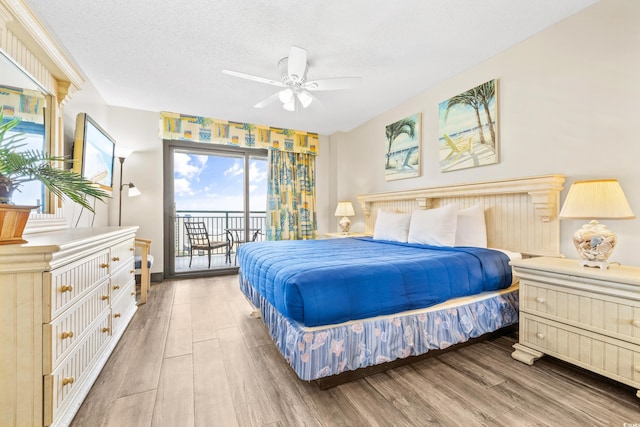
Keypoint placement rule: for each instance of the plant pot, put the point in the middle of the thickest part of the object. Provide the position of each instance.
(13, 220)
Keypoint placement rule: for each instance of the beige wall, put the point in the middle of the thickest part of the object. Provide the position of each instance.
(568, 101)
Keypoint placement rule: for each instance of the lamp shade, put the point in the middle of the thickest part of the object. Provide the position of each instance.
(344, 209)
(133, 191)
(123, 152)
(596, 199)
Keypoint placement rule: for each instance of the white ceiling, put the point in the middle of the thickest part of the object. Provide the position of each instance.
(165, 55)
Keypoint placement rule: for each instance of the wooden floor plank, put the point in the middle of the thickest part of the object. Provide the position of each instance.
(287, 394)
(146, 355)
(179, 336)
(174, 405)
(212, 396)
(203, 326)
(132, 411)
(253, 406)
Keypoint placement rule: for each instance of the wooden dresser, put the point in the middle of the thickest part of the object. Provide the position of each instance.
(66, 298)
(586, 316)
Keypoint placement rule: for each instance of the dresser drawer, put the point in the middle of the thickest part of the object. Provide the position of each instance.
(614, 358)
(60, 335)
(122, 254)
(66, 285)
(62, 384)
(120, 280)
(604, 314)
(123, 307)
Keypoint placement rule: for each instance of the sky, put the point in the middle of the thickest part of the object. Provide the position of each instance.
(215, 183)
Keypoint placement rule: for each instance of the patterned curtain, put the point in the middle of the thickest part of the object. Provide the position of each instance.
(291, 197)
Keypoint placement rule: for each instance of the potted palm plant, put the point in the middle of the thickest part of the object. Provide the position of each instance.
(18, 167)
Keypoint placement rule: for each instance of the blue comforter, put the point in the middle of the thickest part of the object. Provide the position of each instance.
(321, 282)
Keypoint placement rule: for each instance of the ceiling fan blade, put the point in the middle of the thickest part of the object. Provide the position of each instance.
(253, 78)
(267, 101)
(297, 63)
(338, 83)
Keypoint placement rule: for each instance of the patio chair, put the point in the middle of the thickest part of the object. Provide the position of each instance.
(233, 234)
(199, 240)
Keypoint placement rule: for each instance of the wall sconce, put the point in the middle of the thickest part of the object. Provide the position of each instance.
(591, 200)
(122, 153)
(345, 210)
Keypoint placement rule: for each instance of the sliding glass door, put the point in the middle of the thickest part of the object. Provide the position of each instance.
(215, 199)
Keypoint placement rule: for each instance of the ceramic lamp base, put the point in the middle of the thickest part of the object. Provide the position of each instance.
(345, 224)
(594, 243)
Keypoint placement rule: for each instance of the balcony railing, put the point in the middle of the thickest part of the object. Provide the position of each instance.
(217, 222)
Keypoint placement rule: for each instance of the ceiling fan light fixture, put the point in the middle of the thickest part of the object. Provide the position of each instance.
(291, 105)
(305, 98)
(285, 96)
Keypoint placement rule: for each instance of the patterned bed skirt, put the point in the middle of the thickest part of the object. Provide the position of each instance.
(318, 352)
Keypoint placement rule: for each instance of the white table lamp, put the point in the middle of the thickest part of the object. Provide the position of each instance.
(345, 210)
(591, 200)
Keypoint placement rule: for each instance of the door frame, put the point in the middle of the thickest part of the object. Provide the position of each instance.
(168, 213)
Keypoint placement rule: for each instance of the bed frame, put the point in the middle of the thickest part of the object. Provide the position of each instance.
(521, 216)
(521, 213)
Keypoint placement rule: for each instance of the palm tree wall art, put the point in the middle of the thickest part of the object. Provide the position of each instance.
(467, 129)
(403, 148)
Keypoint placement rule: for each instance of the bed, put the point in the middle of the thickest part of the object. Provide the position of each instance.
(330, 312)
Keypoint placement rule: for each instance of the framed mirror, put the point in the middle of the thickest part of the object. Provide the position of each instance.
(23, 98)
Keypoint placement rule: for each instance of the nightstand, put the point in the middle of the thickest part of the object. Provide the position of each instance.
(340, 235)
(585, 316)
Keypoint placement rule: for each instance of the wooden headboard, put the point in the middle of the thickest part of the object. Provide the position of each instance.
(521, 213)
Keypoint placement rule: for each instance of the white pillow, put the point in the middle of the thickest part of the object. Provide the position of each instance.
(472, 229)
(436, 227)
(392, 226)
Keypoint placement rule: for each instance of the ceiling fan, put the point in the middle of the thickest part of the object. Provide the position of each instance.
(296, 89)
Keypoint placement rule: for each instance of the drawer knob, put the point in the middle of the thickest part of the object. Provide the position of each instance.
(66, 288)
(66, 335)
(132, 271)
(115, 258)
(105, 329)
(116, 287)
(636, 323)
(68, 380)
(540, 335)
(116, 315)
(104, 297)
(539, 300)
(132, 249)
(133, 293)
(104, 265)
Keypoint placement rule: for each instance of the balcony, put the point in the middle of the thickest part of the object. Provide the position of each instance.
(219, 225)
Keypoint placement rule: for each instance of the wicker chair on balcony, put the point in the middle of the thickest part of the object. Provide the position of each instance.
(199, 240)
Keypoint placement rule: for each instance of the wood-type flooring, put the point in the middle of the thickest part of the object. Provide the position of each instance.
(193, 356)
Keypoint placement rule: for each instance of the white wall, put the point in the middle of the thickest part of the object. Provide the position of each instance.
(568, 104)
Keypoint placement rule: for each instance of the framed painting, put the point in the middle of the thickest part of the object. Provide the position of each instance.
(468, 128)
(402, 158)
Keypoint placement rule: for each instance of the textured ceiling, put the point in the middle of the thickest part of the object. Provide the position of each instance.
(161, 55)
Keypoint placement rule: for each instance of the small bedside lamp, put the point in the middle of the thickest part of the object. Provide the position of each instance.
(602, 199)
(345, 210)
